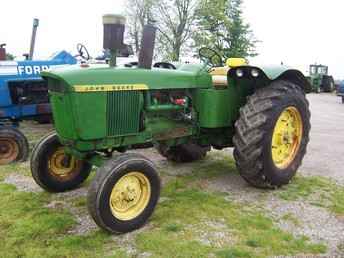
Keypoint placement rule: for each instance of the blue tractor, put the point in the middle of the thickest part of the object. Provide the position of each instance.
(24, 96)
(340, 90)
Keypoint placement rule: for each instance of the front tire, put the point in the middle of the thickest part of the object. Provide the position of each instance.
(14, 146)
(50, 170)
(272, 134)
(124, 193)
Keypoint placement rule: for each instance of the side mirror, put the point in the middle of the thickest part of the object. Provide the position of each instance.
(235, 62)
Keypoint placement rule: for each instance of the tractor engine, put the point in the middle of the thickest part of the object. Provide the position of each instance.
(115, 108)
(28, 92)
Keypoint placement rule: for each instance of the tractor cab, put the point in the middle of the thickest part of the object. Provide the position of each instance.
(318, 70)
(320, 79)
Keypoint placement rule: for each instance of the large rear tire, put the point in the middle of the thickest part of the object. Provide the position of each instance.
(328, 83)
(14, 146)
(183, 153)
(55, 171)
(272, 134)
(124, 193)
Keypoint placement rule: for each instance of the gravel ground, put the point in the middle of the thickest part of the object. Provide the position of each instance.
(326, 148)
(317, 223)
(323, 158)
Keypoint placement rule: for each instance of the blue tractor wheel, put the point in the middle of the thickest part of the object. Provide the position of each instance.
(14, 146)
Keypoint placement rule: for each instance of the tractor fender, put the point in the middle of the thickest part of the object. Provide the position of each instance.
(268, 74)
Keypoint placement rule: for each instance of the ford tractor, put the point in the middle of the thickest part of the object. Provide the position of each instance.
(320, 80)
(24, 96)
(100, 113)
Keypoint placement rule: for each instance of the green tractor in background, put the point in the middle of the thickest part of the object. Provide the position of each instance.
(100, 113)
(320, 80)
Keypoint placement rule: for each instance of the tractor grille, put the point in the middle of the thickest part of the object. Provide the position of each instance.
(123, 112)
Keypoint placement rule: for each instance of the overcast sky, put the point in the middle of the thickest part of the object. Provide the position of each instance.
(297, 32)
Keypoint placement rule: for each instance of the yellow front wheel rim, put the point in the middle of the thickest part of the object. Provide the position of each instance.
(60, 170)
(130, 196)
(286, 137)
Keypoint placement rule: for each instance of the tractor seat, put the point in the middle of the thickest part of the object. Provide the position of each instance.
(219, 76)
(219, 80)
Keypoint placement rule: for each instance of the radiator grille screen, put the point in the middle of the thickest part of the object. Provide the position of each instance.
(123, 112)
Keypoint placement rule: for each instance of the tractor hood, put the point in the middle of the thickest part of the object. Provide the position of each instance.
(102, 79)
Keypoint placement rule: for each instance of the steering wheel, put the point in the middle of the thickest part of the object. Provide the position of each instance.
(131, 64)
(165, 65)
(82, 51)
(211, 56)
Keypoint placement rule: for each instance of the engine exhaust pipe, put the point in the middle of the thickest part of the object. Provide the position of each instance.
(33, 38)
(147, 47)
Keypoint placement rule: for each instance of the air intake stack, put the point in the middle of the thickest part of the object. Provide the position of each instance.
(114, 26)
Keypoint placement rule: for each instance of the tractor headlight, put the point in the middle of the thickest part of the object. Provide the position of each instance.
(254, 73)
(239, 73)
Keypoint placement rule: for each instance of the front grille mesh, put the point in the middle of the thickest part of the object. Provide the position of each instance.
(123, 112)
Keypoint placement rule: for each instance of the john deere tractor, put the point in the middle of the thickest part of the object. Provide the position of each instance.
(320, 80)
(100, 113)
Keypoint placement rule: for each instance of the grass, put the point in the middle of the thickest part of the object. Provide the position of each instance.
(29, 229)
(318, 191)
(186, 224)
(190, 222)
(291, 218)
(187, 215)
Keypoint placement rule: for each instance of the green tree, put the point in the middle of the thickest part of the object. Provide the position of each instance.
(175, 20)
(138, 13)
(241, 36)
(9, 56)
(221, 27)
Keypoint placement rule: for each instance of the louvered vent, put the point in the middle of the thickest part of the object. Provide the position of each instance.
(123, 112)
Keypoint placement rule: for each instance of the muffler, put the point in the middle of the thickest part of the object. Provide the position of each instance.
(147, 47)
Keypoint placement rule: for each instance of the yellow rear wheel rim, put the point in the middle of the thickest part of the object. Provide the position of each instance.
(60, 170)
(130, 196)
(286, 138)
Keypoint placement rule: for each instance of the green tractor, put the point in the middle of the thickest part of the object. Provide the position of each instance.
(100, 113)
(320, 80)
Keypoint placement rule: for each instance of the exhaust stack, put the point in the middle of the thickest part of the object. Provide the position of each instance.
(147, 47)
(33, 38)
(114, 26)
